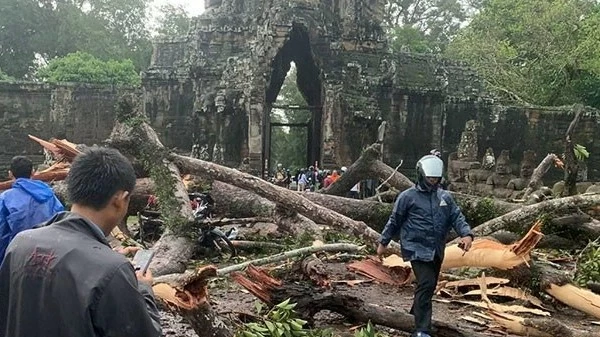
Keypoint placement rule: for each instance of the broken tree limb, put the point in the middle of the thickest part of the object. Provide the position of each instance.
(284, 197)
(334, 247)
(310, 300)
(536, 178)
(133, 137)
(367, 166)
(186, 294)
(243, 244)
(527, 214)
(234, 201)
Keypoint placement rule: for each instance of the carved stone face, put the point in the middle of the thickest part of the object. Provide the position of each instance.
(526, 170)
(501, 168)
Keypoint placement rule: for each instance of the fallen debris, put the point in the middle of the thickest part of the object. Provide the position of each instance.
(375, 270)
(310, 300)
(510, 292)
(186, 294)
(334, 247)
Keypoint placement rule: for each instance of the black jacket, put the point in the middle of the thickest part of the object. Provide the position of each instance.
(64, 280)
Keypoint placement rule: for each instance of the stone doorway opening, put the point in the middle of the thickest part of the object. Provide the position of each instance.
(296, 54)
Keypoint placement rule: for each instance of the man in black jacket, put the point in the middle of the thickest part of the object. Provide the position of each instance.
(63, 279)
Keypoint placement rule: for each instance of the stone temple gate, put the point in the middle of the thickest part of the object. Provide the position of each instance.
(214, 88)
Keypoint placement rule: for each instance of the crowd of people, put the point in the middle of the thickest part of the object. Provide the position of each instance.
(313, 179)
(59, 277)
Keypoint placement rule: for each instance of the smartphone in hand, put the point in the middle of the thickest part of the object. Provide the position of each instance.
(141, 260)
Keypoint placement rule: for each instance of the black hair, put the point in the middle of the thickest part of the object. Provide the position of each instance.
(96, 175)
(21, 167)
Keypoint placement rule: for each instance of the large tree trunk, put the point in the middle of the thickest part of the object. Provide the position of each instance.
(135, 138)
(284, 197)
(233, 201)
(311, 300)
(523, 217)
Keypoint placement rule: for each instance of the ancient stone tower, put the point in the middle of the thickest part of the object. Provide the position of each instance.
(216, 86)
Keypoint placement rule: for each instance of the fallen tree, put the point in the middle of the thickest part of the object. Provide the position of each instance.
(311, 300)
(133, 137)
(368, 166)
(527, 214)
(282, 196)
(234, 201)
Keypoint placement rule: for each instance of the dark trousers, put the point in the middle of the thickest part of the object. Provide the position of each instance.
(427, 276)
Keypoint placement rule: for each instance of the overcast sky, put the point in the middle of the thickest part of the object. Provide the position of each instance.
(195, 7)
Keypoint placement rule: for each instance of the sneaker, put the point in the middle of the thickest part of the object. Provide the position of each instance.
(421, 334)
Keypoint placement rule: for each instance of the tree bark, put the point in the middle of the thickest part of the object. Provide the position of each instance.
(524, 216)
(134, 137)
(571, 165)
(368, 166)
(282, 196)
(536, 178)
(234, 201)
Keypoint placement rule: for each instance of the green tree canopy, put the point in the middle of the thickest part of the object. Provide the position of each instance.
(33, 30)
(173, 21)
(539, 51)
(5, 77)
(83, 67)
(425, 25)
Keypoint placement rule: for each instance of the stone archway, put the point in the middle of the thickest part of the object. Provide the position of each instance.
(296, 49)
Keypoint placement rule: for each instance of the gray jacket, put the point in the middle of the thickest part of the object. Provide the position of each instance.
(64, 280)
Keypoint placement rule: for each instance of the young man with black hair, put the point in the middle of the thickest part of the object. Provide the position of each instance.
(62, 279)
(422, 216)
(28, 203)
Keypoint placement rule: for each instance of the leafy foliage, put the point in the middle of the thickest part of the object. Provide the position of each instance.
(538, 51)
(426, 26)
(40, 30)
(581, 153)
(588, 264)
(83, 67)
(280, 321)
(4, 77)
(174, 21)
(368, 331)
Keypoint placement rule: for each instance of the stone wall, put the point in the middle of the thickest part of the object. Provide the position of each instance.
(77, 112)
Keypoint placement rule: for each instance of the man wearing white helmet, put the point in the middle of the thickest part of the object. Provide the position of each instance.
(423, 216)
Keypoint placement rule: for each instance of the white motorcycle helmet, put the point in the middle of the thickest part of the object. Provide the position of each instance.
(429, 166)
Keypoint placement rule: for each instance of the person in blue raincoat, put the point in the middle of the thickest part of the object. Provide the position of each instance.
(28, 203)
(422, 216)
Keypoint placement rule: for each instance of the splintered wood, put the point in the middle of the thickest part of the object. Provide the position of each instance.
(375, 270)
(575, 297)
(63, 152)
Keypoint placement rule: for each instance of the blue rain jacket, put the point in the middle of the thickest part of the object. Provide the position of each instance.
(28, 203)
(423, 219)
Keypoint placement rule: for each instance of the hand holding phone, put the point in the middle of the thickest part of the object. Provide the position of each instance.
(141, 260)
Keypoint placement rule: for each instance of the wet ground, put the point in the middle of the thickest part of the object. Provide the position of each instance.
(227, 297)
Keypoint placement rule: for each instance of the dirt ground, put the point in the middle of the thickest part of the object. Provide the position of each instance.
(228, 297)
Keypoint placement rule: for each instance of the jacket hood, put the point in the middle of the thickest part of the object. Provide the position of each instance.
(38, 190)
